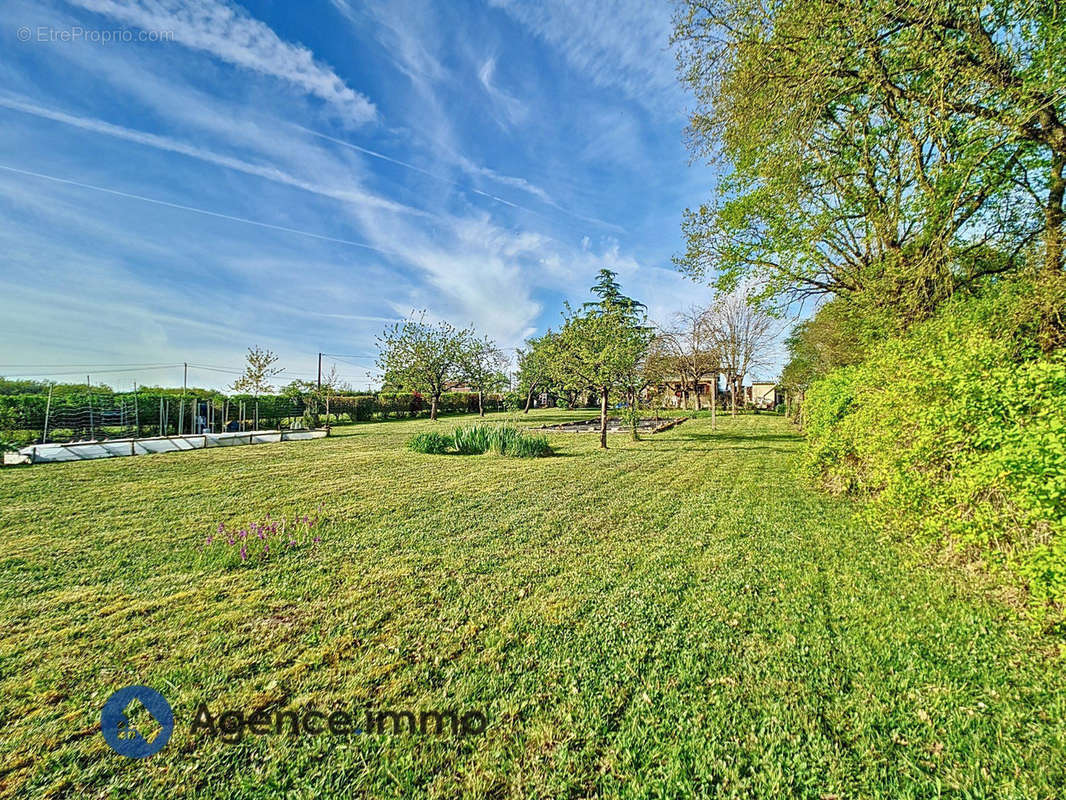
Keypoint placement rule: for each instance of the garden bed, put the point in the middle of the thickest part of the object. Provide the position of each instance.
(615, 425)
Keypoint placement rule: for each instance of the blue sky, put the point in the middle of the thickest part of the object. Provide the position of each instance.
(295, 175)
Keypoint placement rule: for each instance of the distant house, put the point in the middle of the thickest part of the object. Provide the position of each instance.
(765, 394)
(675, 393)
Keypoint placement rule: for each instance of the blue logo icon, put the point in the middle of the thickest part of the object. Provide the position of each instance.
(137, 721)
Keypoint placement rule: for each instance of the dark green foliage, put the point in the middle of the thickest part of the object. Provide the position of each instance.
(610, 294)
(432, 442)
(512, 401)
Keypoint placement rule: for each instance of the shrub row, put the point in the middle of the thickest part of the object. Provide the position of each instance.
(385, 405)
(957, 431)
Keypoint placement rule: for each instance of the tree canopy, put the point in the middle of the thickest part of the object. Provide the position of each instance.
(259, 369)
(896, 151)
(418, 356)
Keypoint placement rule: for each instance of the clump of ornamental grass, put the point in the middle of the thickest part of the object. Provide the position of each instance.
(431, 442)
(506, 440)
(528, 446)
(510, 440)
(472, 441)
(263, 539)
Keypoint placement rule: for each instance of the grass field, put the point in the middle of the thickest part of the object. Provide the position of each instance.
(674, 617)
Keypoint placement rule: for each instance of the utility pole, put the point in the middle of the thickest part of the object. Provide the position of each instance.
(185, 380)
(320, 372)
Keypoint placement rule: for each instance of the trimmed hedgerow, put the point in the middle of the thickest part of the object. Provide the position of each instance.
(957, 431)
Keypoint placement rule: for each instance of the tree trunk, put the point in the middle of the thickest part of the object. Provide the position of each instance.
(433, 406)
(1054, 214)
(714, 402)
(603, 419)
(480, 404)
(733, 397)
(529, 398)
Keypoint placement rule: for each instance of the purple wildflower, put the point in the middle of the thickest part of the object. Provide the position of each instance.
(244, 553)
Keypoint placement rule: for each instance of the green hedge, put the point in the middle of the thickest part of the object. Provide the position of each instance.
(402, 405)
(957, 431)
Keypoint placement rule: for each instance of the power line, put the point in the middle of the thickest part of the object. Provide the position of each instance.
(146, 365)
(37, 373)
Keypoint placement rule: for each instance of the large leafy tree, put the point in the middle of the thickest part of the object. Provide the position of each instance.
(609, 293)
(893, 150)
(483, 364)
(838, 335)
(691, 347)
(600, 348)
(418, 356)
(741, 334)
(535, 365)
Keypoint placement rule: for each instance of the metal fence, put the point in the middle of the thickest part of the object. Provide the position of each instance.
(36, 419)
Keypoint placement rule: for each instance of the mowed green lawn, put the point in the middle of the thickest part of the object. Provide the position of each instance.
(675, 617)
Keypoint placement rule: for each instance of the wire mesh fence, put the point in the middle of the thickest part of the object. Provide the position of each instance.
(37, 419)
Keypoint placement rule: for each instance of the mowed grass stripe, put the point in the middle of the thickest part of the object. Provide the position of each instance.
(675, 617)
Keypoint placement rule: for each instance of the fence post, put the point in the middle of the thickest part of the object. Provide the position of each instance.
(47, 411)
(136, 417)
(90, 416)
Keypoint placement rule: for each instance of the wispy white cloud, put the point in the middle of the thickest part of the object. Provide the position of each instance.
(268, 172)
(513, 109)
(621, 44)
(230, 34)
(395, 29)
(182, 207)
